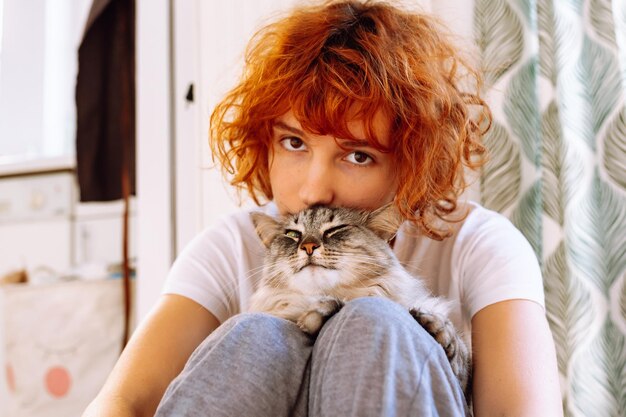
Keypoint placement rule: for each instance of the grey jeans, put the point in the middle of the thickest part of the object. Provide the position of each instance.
(370, 359)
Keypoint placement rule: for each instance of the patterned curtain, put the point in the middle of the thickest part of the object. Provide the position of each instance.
(556, 81)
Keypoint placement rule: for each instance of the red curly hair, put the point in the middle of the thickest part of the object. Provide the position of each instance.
(323, 61)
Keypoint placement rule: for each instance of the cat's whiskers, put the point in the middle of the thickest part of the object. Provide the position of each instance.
(357, 278)
(328, 257)
(365, 259)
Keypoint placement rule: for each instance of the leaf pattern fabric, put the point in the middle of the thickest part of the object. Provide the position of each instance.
(501, 179)
(557, 168)
(614, 150)
(501, 44)
(520, 107)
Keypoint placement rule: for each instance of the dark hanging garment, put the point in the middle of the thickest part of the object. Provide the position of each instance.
(105, 102)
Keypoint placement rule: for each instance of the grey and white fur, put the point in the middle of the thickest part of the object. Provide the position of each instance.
(322, 257)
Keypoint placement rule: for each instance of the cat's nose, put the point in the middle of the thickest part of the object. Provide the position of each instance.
(309, 247)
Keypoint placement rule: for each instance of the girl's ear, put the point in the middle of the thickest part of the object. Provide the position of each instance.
(266, 227)
(385, 221)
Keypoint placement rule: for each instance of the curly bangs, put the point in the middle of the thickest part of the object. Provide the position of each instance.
(348, 60)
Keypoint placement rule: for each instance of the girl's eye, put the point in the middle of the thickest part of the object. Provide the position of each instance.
(293, 234)
(293, 143)
(359, 158)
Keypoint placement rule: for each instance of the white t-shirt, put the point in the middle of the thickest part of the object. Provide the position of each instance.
(486, 260)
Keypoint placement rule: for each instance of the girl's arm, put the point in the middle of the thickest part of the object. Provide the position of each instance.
(515, 370)
(155, 355)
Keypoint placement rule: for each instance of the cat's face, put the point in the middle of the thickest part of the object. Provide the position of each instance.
(320, 248)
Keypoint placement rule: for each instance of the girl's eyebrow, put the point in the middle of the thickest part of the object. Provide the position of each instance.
(288, 128)
(355, 143)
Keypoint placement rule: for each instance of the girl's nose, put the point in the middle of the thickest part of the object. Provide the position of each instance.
(317, 187)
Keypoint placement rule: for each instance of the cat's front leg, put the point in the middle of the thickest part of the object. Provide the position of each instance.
(444, 332)
(312, 320)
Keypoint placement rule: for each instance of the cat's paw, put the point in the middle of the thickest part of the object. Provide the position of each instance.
(444, 332)
(312, 320)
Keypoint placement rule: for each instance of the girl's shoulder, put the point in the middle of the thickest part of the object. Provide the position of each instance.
(483, 220)
(235, 226)
(475, 220)
(488, 228)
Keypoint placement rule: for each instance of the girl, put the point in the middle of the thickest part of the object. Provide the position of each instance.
(356, 104)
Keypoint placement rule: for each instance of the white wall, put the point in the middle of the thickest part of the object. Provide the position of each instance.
(154, 191)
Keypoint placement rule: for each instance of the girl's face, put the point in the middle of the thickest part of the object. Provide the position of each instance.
(307, 169)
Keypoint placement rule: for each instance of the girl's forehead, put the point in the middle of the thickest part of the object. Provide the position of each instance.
(358, 129)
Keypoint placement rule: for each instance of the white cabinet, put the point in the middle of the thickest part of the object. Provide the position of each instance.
(36, 221)
(43, 226)
(98, 232)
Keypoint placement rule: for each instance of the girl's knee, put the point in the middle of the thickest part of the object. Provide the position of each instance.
(259, 325)
(375, 310)
(379, 313)
(255, 334)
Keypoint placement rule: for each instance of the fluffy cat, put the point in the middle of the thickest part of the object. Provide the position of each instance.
(322, 257)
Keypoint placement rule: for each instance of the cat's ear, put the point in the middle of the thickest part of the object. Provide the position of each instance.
(266, 227)
(385, 221)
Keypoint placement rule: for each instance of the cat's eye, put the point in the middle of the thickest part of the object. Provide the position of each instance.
(328, 233)
(293, 234)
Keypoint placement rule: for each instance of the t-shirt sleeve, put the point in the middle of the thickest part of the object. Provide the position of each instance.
(494, 262)
(206, 270)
